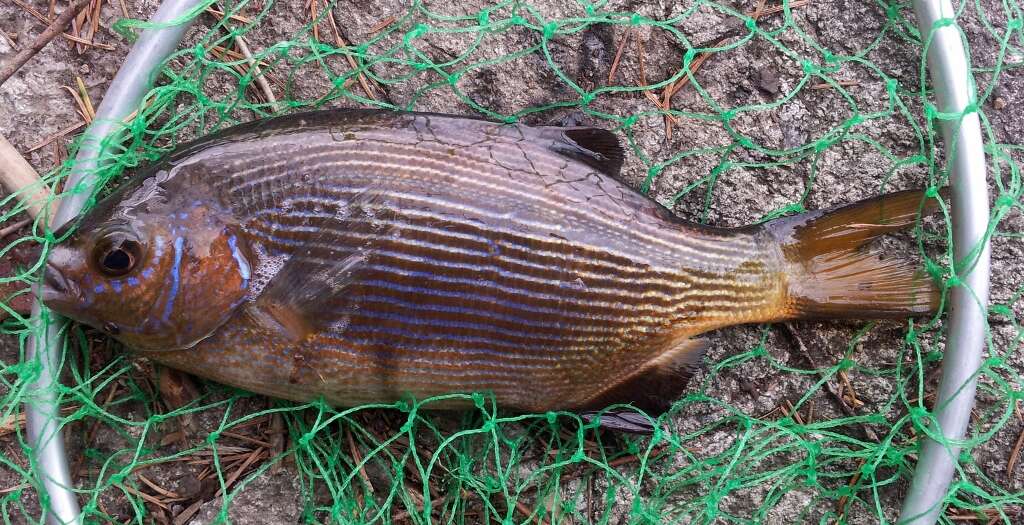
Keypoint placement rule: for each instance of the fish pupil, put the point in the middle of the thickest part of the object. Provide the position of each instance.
(117, 260)
(117, 256)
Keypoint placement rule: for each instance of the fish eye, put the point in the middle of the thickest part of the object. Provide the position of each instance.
(117, 254)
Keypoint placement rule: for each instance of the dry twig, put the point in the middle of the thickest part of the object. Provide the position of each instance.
(841, 504)
(276, 439)
(7, 230)
(776, 9)
(177, 390)
(357, 458)
(642, 80)
(236, 17)
(67, 36)
(526, 512)
(789, 410)
(158, 488)
(149, 498)
(85, 96)
(339, 40)
(618, 55)
(14, 488)
(380, 26)
(656, 453)
(13, 423)
(55, 28)
(1015, 454)
(43, 143)
(224, 54)
(249, 461)
(191, 510)
(829, 387)
(10, 41)
(990, 516)
(92, 429)
(841, 83)
(670, 90)
(247, 439)
(261, 80)
(82, 100)
(850, 394)
(257, 74)
(17, 174)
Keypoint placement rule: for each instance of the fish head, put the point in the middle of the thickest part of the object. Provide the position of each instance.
(157, 278)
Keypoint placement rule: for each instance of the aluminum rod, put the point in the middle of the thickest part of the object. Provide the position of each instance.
(42, 409)
(954, 93)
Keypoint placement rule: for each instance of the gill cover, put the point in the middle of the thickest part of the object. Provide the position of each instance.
(158, 273)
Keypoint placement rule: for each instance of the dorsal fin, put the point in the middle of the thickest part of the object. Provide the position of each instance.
(597, 148)
(659, 383)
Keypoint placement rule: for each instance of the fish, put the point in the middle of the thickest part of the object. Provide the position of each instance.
(370, 256)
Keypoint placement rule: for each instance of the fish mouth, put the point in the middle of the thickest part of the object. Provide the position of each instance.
(56, 291)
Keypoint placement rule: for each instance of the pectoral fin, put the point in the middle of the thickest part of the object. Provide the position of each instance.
(293, 304)
(305, 296)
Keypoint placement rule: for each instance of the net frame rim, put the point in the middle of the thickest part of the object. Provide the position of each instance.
(955, 92)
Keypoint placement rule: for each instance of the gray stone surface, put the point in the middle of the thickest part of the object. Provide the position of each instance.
(268, 498)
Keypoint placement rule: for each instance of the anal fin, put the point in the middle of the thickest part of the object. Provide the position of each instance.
(629, 421)
(655, 386)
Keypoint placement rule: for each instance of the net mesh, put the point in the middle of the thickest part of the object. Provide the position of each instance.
(814, 422)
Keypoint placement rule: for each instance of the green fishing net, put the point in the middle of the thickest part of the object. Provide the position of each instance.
(774, 109)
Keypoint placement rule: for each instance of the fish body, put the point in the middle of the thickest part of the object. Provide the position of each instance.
(366, 256)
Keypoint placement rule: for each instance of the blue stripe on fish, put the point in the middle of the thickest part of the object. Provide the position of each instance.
(175, 277)
(492, 313)
(385, 333)
(431, 344)
(243, 266)
(430, 353)
(489, 270)
(526, 332)
(158, 246)
(502, 299)
(391, 359)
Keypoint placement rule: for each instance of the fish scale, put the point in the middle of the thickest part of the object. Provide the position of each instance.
(366, 256)
(444, 329)
(520, 190)
(411, 168)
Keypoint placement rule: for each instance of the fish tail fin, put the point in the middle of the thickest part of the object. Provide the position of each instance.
(833, 275)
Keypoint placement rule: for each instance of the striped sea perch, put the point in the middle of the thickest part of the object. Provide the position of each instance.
(367, 256)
